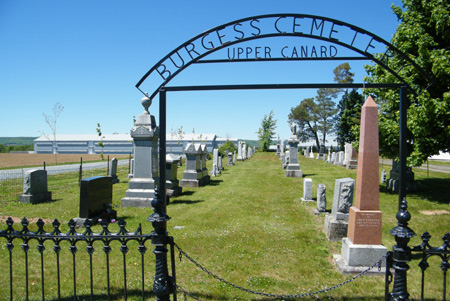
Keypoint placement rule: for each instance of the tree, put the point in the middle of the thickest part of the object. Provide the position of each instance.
(52, 120)
(227, 146)
(266, 132)
(349, 116)
(317, 116)
(424, 36)
(100, 143)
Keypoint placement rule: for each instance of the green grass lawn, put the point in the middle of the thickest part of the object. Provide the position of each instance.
(249, 227)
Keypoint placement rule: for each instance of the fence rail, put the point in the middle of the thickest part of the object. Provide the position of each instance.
(88, 238)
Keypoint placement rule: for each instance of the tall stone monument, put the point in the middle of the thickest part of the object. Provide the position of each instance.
(293, 168)
(362, 247)
(145, 134)
(240, 157)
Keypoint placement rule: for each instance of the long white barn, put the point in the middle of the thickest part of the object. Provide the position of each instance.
(118, 143)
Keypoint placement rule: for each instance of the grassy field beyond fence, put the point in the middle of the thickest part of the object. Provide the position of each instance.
(249, 227)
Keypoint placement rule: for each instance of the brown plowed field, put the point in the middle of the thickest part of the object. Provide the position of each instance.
(14, 160)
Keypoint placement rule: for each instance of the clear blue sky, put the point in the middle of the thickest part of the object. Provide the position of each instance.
(89, 55)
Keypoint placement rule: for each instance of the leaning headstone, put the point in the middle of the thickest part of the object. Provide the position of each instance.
(113, 171)
(35, 188)
(336, 223)
(307, 190)
(95, 200)
(293, 168)
(172, 183)
(145, 134)
(321, 198)
(362, 246)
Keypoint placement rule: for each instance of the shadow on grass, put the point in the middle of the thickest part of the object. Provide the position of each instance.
(115, 294)
(215, 182)
(433, 189)
(309, 174)
(175, 202)
(188, 192)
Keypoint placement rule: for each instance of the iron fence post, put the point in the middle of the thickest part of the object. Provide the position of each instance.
(162, 284)
(402, 233)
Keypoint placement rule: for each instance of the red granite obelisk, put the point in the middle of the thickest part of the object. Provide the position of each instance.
(364, 224)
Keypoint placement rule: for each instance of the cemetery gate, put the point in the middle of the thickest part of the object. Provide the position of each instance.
(193, 51)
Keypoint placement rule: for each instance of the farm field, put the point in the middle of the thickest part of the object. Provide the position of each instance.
(21, 160)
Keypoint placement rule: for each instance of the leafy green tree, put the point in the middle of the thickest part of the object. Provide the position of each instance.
(100, 143)
(306, 117)
(2, 148)
(326, 111)
(266, 132)
(349, 116)
(227, 146)
(424, 36)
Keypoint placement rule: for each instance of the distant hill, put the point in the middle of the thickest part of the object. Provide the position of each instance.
(17, 140)
(250, 143)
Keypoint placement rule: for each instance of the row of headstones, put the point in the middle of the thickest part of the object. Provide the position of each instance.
(347, 158)
(35, 185)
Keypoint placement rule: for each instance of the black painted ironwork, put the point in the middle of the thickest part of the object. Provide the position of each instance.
(219, 38)
(74, 238)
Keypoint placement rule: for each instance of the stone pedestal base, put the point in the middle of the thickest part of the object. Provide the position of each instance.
(364, 226)
(35, 198)
(356, 258)
(334, 229)
(190, 183)
(140, 193)
(352, 164)
(293, 173)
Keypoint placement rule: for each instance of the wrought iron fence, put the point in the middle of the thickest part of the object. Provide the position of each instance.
(65, 271)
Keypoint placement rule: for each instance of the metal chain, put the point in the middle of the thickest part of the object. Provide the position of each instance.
(182, 253)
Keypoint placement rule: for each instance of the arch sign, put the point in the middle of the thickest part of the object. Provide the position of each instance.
(336, 34)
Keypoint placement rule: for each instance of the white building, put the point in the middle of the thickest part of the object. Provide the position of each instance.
(118, 143)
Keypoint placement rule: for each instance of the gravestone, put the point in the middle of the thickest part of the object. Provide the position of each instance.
(215, 163)
(351, 155)
(95, 200)
(193, 174)
(340, 158)
(145, 134)
(362, 246)
(333, 158)
(383, 176)
(283, 159)
(307, 190)
(311, 153)
(293, 168)
(35, 188)
(240, 157)
(203, 155)
(329, 155)
(213, 172)
(244, 151)
(172, 183)
(234, 158)
(278, 146)
(113, 171)
(180, 161)
(336, 223)
(286, 159)
(230, 159)
(321, 198)
(321, 152)
(282, 147)
(220, 163)
(306, 152)
(394, 176)
(131, 174)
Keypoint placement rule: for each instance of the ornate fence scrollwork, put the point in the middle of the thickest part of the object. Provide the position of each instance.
(74, 238)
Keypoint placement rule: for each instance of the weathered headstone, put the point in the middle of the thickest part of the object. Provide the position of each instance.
(203, 155)
(283, 159)
(394, 176)
(329, 155)
(244, 151)
(213, 172)
(131, 174)
(230, 159)
(215, 163)
(352, 154)
(286, 159)
(172, 182)
(347, 151)
(278, 146)
(113, 171)
(321, 152)
(321, 198)
(383, 176)
(362, 246)
(220, 163)
(180, 161)
(193, 174)
(145, 134)
(293, 168)
(234, 158)
(307, 190)
(35, 188)
(333, 158)
(240, 157)
(336, 223)
(306, 152)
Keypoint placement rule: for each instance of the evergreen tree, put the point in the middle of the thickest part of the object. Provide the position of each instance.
(349, 116)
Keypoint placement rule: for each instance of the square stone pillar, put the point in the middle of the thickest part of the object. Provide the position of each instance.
(193, 174)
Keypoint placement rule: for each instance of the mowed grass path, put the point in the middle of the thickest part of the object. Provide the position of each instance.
(251, 228)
